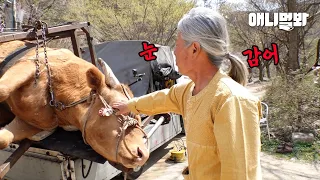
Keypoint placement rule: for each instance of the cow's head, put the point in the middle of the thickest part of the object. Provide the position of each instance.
(102, 132)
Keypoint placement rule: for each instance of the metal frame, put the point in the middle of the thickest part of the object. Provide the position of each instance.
(266, 110)
(58, 32)
(70, 30)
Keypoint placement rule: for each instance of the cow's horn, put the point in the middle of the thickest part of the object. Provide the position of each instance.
(111, 79)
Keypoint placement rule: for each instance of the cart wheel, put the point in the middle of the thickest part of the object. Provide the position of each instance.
(135, 174)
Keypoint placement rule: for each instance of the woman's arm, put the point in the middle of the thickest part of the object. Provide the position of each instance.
(163, 101)
(237, 132)
(158, 102)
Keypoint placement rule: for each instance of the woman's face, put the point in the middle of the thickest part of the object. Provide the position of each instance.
(183, 55)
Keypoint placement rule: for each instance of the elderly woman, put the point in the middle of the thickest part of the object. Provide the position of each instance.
(221, 117)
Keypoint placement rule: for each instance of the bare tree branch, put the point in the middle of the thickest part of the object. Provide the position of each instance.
(46, 9)
(144, 17)
(304, 32)
(253, 2)
(311, 5)
(170, 36)
(123, 32)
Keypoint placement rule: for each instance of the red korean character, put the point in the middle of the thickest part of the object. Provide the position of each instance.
(253, 56)
(268, 54)
(148, 51)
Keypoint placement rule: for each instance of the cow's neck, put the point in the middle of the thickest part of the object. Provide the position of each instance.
(70, 85)
(73, 116)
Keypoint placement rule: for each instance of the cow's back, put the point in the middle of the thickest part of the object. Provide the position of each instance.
(9, 47)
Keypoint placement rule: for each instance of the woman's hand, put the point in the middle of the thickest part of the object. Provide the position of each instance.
(121, 106)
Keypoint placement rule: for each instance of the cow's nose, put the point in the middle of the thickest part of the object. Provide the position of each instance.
(140, 153)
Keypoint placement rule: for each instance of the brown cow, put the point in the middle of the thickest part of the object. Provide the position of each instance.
(73, 79)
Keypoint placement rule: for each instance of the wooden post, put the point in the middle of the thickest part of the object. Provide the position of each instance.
(75, 43)
(90, 45)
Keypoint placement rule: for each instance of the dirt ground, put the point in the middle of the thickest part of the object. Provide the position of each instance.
(278, 169)
(258, 89)
(159, 167)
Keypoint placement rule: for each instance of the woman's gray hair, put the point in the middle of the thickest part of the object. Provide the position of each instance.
(209, 28)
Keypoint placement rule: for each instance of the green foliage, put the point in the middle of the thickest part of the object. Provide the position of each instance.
(269, 146)
(309, 152)
(151, 20)
(294, 102)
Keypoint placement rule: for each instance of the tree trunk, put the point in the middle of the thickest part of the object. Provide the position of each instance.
(250, 75)
(261, 72)
(293, 62)
(268, 70)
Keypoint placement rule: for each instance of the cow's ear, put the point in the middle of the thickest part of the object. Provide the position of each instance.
(95, 78)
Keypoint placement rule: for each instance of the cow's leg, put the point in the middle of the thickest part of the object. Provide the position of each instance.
(15, 77)
(15, 131)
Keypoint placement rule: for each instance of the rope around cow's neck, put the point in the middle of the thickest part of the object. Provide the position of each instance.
(126, 122)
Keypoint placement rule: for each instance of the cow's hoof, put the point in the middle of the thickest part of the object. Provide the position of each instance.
(4, 92)
(5, 138)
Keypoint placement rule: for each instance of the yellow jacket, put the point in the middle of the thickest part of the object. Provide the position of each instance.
(221, 124)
